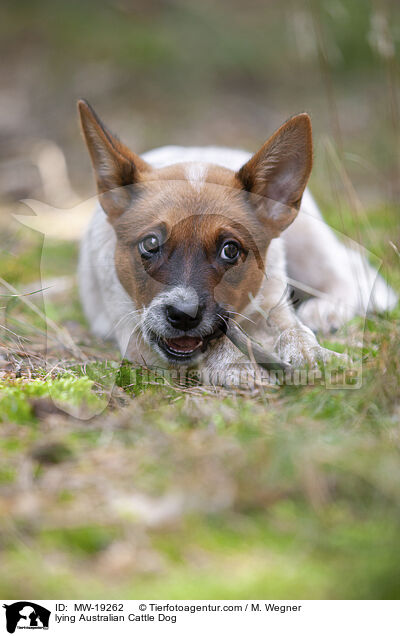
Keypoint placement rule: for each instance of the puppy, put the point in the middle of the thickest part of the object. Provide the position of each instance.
(186, 241)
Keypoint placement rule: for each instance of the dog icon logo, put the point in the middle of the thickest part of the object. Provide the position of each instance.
(26, 615)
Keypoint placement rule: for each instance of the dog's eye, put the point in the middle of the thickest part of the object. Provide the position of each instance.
(230, 252)
(149, 246)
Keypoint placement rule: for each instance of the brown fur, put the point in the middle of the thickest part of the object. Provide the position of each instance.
(192, 225)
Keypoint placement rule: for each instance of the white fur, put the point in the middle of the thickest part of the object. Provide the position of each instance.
(196, 173)
(309, 252)
(106, 304)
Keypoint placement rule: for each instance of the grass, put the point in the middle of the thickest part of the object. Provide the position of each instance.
(167, 493)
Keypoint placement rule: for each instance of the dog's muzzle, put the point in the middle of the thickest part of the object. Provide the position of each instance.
(179, 325)
(187, 348)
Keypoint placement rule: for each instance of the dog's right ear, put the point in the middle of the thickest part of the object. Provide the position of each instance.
(115, 166)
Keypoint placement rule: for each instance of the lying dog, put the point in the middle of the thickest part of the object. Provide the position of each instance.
(186, 241)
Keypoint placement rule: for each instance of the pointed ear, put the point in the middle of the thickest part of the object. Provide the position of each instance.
(115, 166)
(278, 173)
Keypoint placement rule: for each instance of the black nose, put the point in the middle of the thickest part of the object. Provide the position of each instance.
(184, 315)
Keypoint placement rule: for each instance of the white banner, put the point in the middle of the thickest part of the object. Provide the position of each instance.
(194, 617)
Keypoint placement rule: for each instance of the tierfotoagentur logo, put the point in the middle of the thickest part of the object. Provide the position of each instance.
(26, 615)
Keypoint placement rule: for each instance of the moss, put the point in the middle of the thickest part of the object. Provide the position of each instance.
(16, 396)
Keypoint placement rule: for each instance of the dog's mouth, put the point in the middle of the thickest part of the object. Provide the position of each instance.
(186, 348)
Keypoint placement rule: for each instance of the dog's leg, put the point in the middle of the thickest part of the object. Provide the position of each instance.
(340, 276)
(272, 323)
(294, 342)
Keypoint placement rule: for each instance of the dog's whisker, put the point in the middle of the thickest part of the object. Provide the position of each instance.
(124, 318)
(139, 340)
(240, 327)
(223, 319)
(136, 328)
(237, 313)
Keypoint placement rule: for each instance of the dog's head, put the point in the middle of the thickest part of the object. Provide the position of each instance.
(192, 238)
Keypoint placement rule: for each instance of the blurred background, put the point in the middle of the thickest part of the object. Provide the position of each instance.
(176, 493)
(186, 72)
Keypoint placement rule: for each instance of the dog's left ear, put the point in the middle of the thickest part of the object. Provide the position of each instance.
(278, 173)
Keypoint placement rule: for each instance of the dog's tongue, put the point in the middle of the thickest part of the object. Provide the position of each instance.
(184, 344)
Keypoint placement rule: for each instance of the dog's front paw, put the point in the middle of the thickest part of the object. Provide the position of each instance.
(299, 347)
(239, 375)
(226, 366)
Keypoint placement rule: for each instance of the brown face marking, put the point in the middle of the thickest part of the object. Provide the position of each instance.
(192, 227)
